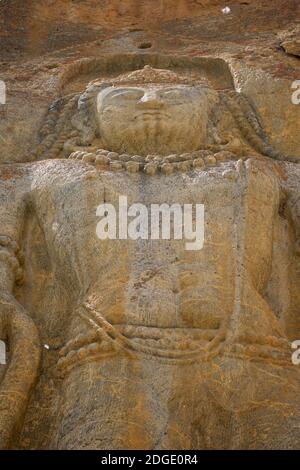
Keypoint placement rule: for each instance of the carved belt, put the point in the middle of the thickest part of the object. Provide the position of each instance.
(104, 339)
(171, 345)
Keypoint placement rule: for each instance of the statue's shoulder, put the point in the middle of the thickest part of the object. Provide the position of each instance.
(49, 173)
(24, 177)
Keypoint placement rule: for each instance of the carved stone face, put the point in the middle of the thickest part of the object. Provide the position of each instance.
(152, 119)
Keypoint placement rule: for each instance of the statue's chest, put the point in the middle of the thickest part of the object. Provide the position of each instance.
(69, 205)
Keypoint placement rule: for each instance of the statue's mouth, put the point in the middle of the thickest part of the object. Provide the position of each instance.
(151, 114)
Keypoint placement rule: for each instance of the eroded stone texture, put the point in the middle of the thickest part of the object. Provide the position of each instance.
(132, 344)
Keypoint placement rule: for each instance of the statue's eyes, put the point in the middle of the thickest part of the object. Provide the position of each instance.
(127, 94)
(172, 94)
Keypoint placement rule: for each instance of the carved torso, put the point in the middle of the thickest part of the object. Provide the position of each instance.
(156, 283)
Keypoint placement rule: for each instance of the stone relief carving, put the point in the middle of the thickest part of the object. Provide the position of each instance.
(152, 346)
(120, 117)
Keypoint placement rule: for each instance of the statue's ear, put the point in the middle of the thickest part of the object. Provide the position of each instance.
(78, 119)
(91, 92)
(100, 88)
(85, 119)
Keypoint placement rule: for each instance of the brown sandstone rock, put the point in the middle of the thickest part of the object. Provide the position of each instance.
(130, 344)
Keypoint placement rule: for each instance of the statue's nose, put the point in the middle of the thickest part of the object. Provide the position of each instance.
(151, 99)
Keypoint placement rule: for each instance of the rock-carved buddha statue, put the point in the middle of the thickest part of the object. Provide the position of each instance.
(150, 345)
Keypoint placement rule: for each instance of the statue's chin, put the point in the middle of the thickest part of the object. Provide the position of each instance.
(156, 143)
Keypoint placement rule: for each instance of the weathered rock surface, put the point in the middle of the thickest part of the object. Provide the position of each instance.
(128, 344)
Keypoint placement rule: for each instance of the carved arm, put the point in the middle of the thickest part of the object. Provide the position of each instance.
(16, 327)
